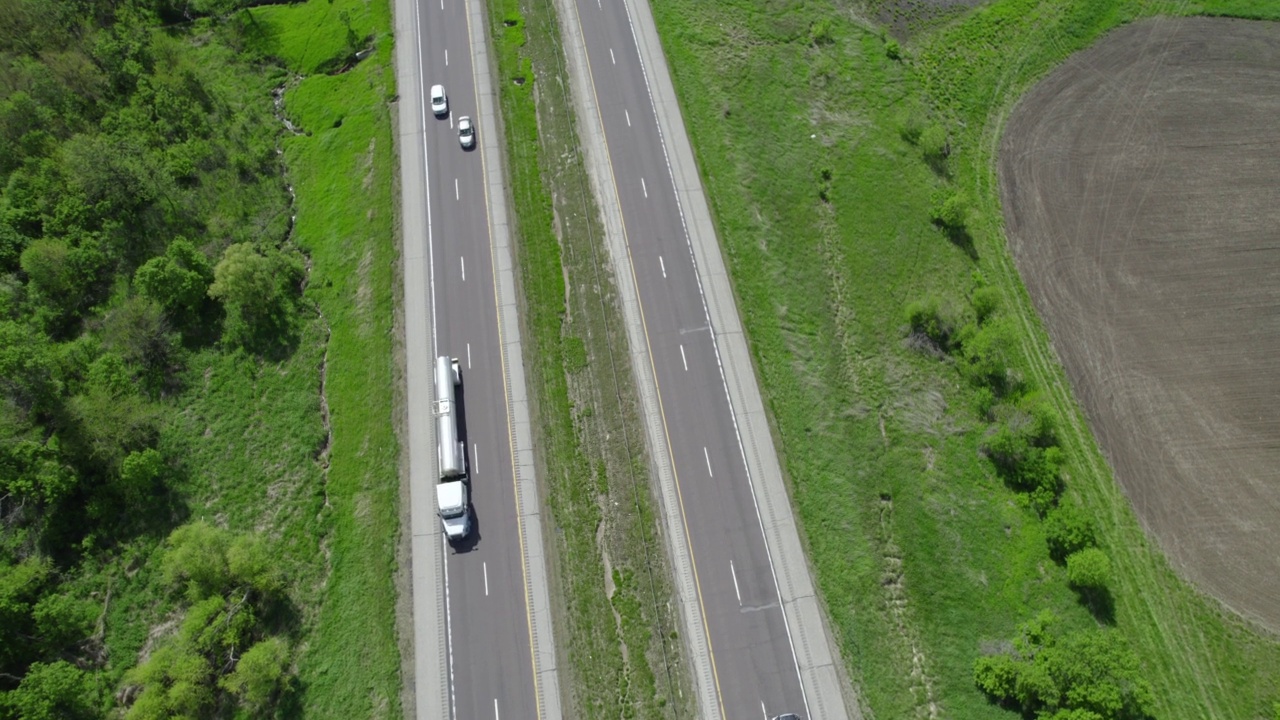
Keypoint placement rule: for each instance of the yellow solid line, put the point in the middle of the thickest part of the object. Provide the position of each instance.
(715, 673)
(506, 393)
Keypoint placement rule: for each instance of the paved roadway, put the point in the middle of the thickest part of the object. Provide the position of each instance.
(483, 645)
(749, 640)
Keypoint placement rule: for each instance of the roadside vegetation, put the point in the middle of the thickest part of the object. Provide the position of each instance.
(184, 531)
(971, 545)
(615, 623)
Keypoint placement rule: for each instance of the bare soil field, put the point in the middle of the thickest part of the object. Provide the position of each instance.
(1141, 192)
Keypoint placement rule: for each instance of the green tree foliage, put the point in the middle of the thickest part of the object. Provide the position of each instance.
(141, 475)
(990, 354)
(173, 682)
(54, 691)
(178, 280)
(986, 303)
(934, 145)
(259, 673)
(953, 212)
(926, 317)
(28, 368)
(1068, 530)
(62, 619)
(1089, 570)
(203, 560)
(21, 586)
(138, 330)
(123, 125)
(259, 292)
(1087, 674)
(228, 579)
(65, 276)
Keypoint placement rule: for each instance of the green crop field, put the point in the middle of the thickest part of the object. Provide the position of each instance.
(851, 176)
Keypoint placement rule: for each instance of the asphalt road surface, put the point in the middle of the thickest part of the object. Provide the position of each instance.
(754, 665)
(488, 613)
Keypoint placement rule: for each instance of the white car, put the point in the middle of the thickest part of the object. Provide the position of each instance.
(439, 103)
(466, 132)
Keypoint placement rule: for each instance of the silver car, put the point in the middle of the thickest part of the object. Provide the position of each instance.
(466, 132)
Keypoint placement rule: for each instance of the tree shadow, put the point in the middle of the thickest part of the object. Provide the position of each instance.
(960, 237)
(1100, 603)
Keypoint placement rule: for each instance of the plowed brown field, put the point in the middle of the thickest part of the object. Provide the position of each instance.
(1141, 192)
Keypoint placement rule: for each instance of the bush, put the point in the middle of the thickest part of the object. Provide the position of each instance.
(953, 213)
(258, 673)
(54, 691)
(1089, 570)
(934, 145)
(989, 355)
(1091, 674)
(927, 318)
(912, 128)
(1068, 530)
(986, 303)
(892, 50)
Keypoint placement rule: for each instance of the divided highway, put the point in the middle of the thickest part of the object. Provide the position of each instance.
(753, 623)
(482, 635)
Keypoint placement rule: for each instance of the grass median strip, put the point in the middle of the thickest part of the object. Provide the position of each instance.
(615, 620)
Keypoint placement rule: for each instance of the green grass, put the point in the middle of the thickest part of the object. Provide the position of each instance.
(342, 173)
(621, 655)
(918, 546)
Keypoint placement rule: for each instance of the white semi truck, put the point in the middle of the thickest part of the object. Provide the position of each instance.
(451, 491)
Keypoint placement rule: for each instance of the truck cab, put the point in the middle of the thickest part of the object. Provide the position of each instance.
(455, 511)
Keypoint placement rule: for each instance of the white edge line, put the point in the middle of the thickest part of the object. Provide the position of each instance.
(431, 264)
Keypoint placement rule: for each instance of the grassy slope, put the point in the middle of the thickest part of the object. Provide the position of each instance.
(343, 179)
(622, 659)
(881, 443)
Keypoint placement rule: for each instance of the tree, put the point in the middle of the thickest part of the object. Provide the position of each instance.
(28, 375)
(259, 294)
(54, 691)
(178, 280)
(138, 331)
(140, 474)
(196, 560)
(258, 673)
(245, 277)
(926, 317)
(174, 682)
(1089, 570)
(62, 619)
(20, 588)
(953, 213)
(1067, 530)
(934, 145)
(205, 560)
(1091, 675)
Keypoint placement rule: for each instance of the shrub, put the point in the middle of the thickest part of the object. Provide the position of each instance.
(953, 213)
(1091, 674)
(1089, 570)
(1068, 530)
(912, 128)
(927, 318)
(934, 145)
(892, 50)
(989, 354)
(986, 303)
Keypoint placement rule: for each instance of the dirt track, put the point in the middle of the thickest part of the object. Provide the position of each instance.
(1141, 191)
